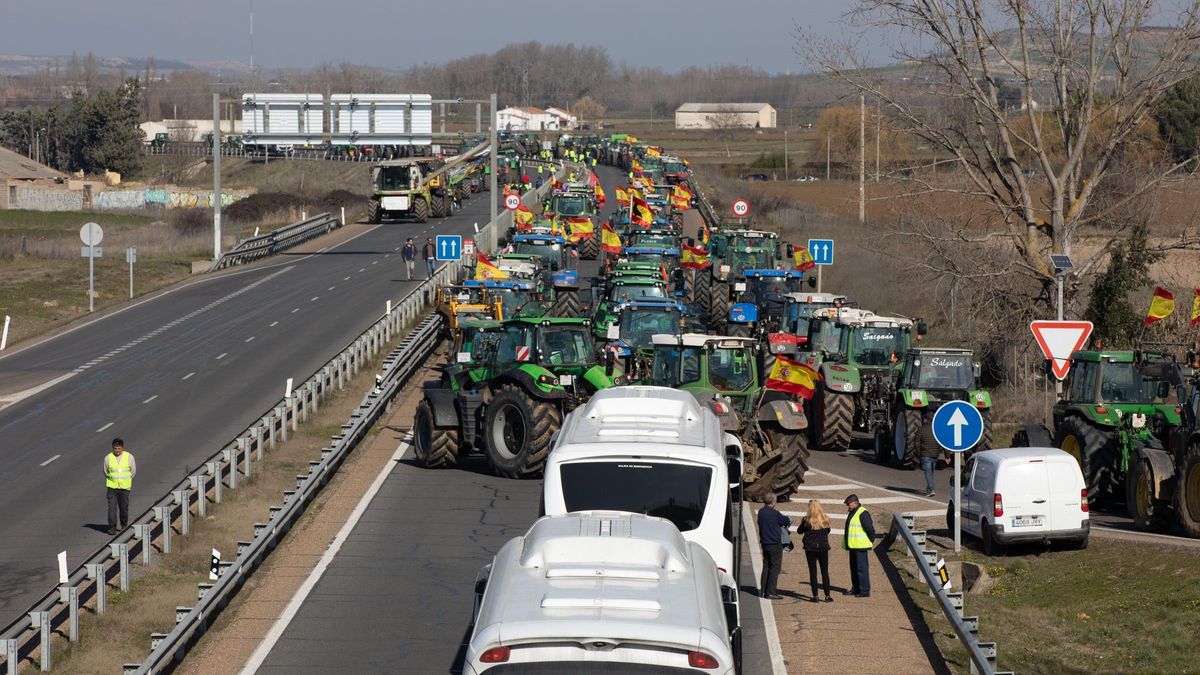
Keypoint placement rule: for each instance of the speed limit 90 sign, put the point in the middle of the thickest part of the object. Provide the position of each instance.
(741, 208)
(512, 202)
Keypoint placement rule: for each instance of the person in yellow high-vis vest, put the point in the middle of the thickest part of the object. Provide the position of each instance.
(119, 469)
(858, 540)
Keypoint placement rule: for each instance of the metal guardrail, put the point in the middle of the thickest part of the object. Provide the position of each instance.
(277, 240)
(981, 654)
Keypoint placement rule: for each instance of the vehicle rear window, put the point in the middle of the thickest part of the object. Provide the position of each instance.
(676, 492)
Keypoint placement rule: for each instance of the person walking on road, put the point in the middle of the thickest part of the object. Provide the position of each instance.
(858, 540)
(430, 255)
(815, 528)
(409, 254)
(119, 469)
(771, 524)
(929, 457)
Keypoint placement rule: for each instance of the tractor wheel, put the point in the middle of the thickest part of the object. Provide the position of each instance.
(718, 306)
(374, 212)
(439, 205)
(1148, 513)
(518, 429)
(785, 470)
(740, 330)
(689, 294)
(420, 209)
(589, 249)
(566, 303)
(837, 418)
(1091, 448)
(434, 447)
(703, 294)
(883, 446)
(907, 437)
(1187, 491)
(1033, 436)
(985, 441)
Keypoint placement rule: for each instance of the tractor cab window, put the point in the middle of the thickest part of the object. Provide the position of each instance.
(622, 293)
(674, 366)
(481, 344)
(945, 371)
(760, 259)
(392, 177)
(1123, 383)
(655, 241)
(570, 205)
(730, 369)
(874, 346)
(828, 337)
(1083, 381)
(551, 252)
(515, 345)
(564, 345)
(638, 327)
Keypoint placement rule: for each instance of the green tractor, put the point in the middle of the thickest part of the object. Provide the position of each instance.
(868, 349)
(1185, 446)
(733, 252)
(507, 392)
(408, 188)
(902, 408)
(725, 373)
(576, 203)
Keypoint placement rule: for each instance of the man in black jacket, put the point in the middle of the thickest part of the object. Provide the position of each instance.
(770, 535)
(858, 540)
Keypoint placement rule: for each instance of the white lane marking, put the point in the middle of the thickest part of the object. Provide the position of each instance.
(7, 401)
(295, 310)
(49, 460)
(104, 427)
(223, 355)
(764, 605)
(906, 495)
(362, 269)
(314, 298)
(188, 375)
(396, 249)
(868, 500)
(387, 255)
(150, 399)
(374, 262)
(277, 629)
(345, 278)
(332, 287)
(835, 486)
(250, 339)
(323, 250)
(273, 324)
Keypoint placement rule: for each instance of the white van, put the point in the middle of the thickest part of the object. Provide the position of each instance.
(1016, 495)
(649, 450)
(603, 592)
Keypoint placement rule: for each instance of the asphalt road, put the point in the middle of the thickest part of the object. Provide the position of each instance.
(176, 376)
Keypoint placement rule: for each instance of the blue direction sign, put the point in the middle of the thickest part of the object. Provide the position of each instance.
(957, 426)
(448, 247)
(821, 251)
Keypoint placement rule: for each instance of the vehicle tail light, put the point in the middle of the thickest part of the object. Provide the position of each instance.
(997, 505)
(1083, 502)
(496, 655)
(701, 660)
(980, 404)
(1101, 410)
(720, 408)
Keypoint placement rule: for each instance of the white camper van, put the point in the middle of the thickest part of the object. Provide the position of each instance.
(1016, 495)
(602, 592)
(650, 450)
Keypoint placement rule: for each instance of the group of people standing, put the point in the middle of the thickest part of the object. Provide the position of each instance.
(814, 529)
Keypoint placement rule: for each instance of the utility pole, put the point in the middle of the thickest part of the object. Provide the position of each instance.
(216, 150)
(785, 155)
(878, 122)
(828, 151)
(862, 158)
(492, 179)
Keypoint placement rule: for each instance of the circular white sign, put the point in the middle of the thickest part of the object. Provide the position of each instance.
(91, 234)
(741, 208)
(512, 202)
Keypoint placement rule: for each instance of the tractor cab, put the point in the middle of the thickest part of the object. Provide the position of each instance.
(554, 249)
(761, 296)
(638, 321)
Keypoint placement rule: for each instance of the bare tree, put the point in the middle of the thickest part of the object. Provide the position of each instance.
(725, 122)
(1089, 73)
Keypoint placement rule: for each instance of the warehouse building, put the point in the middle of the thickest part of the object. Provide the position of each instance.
(725, 115)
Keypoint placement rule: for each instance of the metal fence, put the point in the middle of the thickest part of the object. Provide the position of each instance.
(278, 240)
(982, 655)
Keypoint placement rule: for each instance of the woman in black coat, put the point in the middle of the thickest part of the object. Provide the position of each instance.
(815, 529)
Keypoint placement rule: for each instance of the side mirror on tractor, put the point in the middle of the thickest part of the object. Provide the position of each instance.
(610, 362)
(922, 327)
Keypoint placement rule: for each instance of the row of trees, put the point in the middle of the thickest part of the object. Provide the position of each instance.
(88, 132)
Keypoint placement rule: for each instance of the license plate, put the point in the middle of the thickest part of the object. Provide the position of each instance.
(1027, 521)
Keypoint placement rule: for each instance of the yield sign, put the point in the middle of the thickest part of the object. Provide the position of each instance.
(1058, 339)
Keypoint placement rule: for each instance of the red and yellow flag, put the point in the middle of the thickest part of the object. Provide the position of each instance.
(610, 241)
(599, 194)
(523, 218)
(636, 167)
(622, 196)
(581, 228)
(792, 377)
(653, 152)
(1196, 308)
(642, 214)
(683, 193)
(1161, 306)
(486, 270)
(804, 260)
(704, 235)
(695, 258)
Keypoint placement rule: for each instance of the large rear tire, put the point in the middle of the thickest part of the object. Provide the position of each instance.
(1187, 493)
(518, 429)
(589, 249)
(702, 294)
(420, 209)
(718, 306)
(1148, 513)
(374, 212)
(907, 437)
(985, 441)
(433, 447)
(1091, 449)
(566, 303)
(837, 420)
(785, 470)
(439, 205)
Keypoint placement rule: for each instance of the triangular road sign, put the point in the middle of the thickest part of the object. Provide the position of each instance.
(1058, 339)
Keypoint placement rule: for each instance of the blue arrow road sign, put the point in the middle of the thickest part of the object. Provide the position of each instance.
(821, 251)
(957, 426)
(448, 247)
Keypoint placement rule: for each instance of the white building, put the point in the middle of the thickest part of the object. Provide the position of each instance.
(725, 115)
(187, 131)
(534, 119)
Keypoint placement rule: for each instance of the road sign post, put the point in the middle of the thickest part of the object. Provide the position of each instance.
(740, 208)
(448, 247)
(131, 257)
(1058, 339)
(958, 427)
(512, 202)
(91, 234)
(821, 251)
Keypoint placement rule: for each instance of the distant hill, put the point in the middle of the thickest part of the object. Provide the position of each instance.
(20, 64)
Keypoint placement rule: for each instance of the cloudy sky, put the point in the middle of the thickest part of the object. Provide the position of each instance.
(397, 33)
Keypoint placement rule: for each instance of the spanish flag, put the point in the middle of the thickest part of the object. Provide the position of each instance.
(642, 214)
(581, 228)
(1196, 308)
(486, 270)
(610, 241)
(599, 194)
(695, 258)
(523, 218)
(635, 193)
(653, 152)
(636, 167)
(792, 377)
(683, 193)
(1161, 306)
(704, 235)
(804, 260)
(622, 196)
